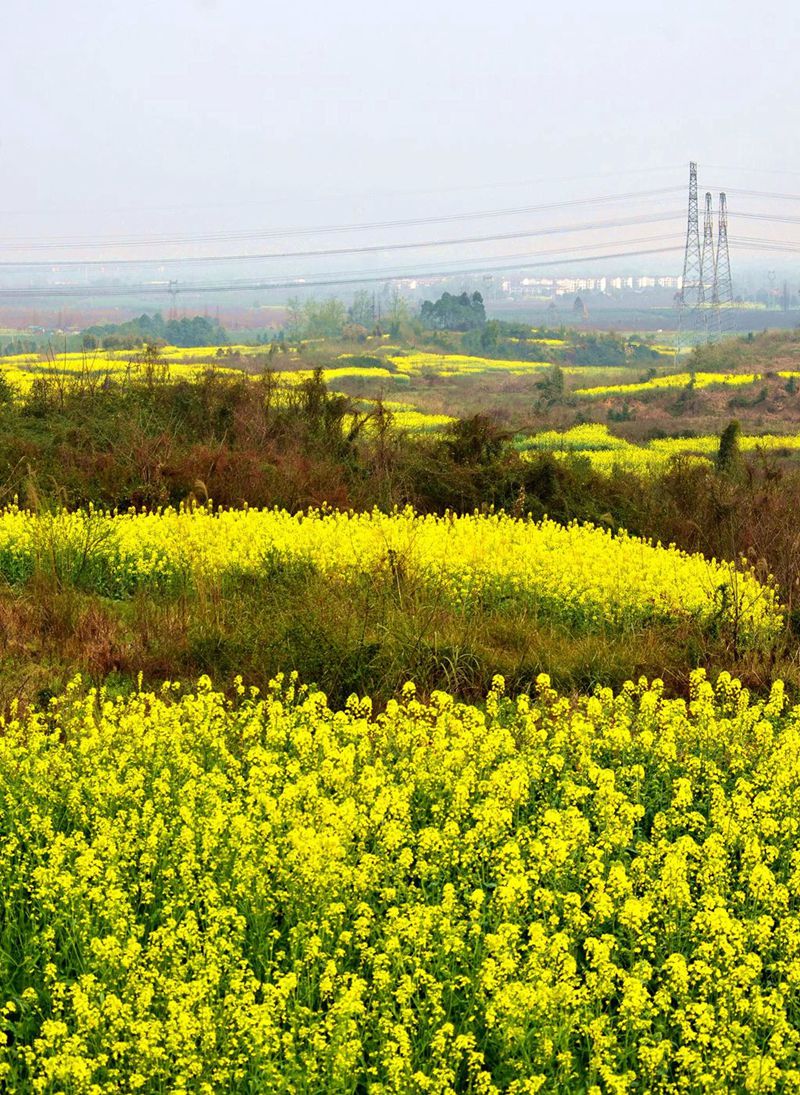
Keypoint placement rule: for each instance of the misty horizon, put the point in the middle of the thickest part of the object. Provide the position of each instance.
(196, 129)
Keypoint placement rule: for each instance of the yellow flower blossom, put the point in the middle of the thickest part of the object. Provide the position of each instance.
(259, 894)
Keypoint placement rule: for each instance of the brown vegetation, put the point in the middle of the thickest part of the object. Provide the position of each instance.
(258, 443)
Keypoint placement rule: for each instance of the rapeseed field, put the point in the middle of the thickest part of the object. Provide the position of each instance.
(671, 380)
(260, 894)
(577, 574)
(606, 452)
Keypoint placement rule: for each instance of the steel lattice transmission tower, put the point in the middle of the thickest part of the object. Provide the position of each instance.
(692, 295)
(705, 302)
(708, 272)
(723, 284)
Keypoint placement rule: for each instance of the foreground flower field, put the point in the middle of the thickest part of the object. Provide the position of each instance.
(263, 895)
(579, 574)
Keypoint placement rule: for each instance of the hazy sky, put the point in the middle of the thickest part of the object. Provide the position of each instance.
(178, 116)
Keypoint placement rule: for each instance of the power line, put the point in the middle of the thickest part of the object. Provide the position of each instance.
(151, 289)
(375, 248)
(752, 170)
(470, 188)
(326, 252)
(510, 260)
(696, 282)
(755, 244)
(764, 194)
(33, 242)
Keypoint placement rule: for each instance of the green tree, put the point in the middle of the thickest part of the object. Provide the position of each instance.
(552, 385)
(490, 335)
(362, 310)
(729, 456)
(153, 330)
(454, 313)
(475, 440)
(398, 314)
(294, 318)
(323, 319)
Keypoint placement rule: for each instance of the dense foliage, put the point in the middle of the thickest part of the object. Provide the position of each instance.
(186, 331)
(465, 312)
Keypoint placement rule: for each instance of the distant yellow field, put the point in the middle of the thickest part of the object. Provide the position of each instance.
(672, 380)
(607, 453)
(457, 364)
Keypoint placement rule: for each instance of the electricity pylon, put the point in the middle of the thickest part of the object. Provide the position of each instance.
(691, 298)
(723, 284)
(708, 266)
(705, 301)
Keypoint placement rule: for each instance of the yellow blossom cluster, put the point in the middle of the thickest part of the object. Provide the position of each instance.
(417, 421)
(461, 364)
(405, 416)
(259, 894)
(391, 367)
(606, 452)
(588, 437)
(21, 370)
(579, 574)
(671, 380)
(766, 442)
(78, 360)
(636, 459)
(541, 341)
